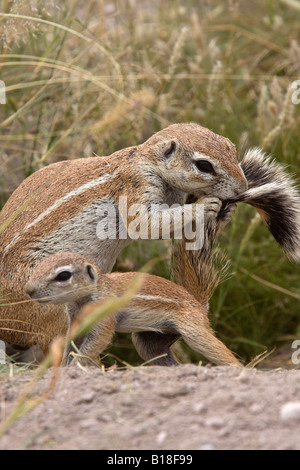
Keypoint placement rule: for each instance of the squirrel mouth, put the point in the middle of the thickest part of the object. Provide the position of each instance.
(55, 299)
(40, 300)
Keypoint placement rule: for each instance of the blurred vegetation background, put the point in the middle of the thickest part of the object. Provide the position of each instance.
(85, 78)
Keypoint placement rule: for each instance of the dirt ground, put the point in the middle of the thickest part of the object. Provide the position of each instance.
(180, 408)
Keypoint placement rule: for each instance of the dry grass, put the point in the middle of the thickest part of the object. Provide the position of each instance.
(98, 76)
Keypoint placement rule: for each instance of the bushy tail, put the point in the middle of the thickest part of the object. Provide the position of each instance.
(273, 193)
(199, 271)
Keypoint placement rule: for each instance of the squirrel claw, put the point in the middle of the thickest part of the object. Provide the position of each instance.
(212, 206)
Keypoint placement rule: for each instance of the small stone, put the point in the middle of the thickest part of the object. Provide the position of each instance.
(199, 408)
(214, 422)
(223, 432)
(290, 412)
(88, 423)
(104, 418)
(161, 437)
(73, 372)
(256, 408)
(188, 371)
(87, 398)
(244, 377)
(174, 392)
(207, 447)
(239, 401)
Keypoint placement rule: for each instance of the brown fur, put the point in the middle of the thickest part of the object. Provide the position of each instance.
(141, 173)
(160, 312)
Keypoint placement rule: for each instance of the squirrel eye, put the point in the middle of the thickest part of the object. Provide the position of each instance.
(63, 276)
(205, 166)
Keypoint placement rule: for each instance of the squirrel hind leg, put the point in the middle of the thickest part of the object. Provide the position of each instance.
(203, 340)
(150, 345)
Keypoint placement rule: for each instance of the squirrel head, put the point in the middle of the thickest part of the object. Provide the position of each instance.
(62, 278)
(197, 161)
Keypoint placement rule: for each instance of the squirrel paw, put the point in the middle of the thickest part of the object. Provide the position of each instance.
(212, 206)
(226, 213)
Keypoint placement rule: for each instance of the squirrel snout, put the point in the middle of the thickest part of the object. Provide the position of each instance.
(30, 289)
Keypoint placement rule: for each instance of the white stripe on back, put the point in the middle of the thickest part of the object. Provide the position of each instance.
(59, 202)
(155, 297)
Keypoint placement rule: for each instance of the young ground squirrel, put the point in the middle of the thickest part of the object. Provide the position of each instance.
(62, 216)
(159, 306)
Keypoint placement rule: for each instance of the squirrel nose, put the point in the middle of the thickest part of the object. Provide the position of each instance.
(30, 290)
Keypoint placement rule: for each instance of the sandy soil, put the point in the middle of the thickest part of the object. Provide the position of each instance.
(182, 408)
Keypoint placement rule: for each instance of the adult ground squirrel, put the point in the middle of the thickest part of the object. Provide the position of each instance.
(159, 306)
(181, 159)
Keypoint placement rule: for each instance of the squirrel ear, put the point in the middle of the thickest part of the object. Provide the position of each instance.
(92, 274)
(167, 148)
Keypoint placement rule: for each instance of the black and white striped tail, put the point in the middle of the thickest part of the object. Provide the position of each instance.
(274, 194)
